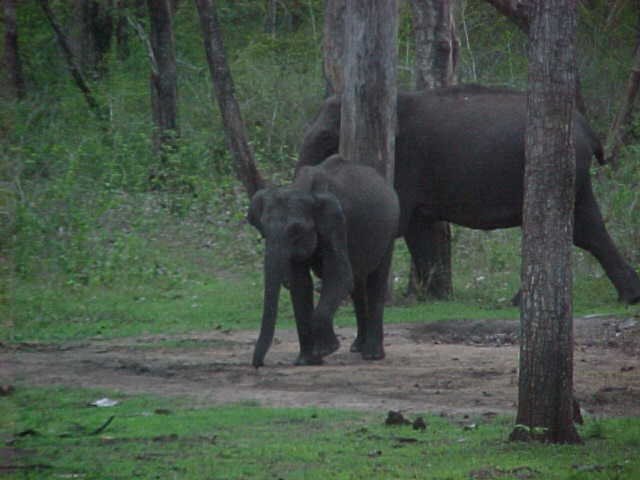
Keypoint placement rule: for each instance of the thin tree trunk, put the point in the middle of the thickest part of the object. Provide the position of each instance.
(94, 29)
(12, 61)
(244, 163)
(122, 30)
(71, 63)
(545, 387)
(436, 46)
(333, 46)
(619, 130)
(163, 78)
(271, 17)
(368, 111)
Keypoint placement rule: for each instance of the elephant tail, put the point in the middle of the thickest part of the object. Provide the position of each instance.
(590, 136)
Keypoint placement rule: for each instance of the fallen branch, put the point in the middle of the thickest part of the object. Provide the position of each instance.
(102, 427)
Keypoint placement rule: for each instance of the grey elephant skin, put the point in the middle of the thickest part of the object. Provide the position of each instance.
(339, 220)
(460, 158)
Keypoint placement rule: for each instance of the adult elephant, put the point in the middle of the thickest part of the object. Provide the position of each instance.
(338, 219)
(460, 158)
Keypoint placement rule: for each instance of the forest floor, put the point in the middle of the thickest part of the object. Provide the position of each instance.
(463, 367)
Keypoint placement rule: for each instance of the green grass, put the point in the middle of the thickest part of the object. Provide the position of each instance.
(52, 312)
(53, 432)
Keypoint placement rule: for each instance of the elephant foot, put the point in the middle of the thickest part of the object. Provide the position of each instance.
(356, 346)
(307, 359)
(325, 342)
(372, 352)
(515, 300)
(326, 347)
(629, 293)
(630, 299)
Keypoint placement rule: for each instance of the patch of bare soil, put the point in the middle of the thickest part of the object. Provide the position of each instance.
(457, 367)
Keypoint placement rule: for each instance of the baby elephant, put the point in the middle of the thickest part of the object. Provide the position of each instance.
(338, 219)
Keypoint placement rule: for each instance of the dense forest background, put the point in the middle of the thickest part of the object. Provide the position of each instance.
(88, 203)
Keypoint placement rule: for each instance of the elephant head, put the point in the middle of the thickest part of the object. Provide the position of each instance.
(300, 225)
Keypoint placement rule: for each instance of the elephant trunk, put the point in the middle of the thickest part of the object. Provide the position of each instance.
(273, 277)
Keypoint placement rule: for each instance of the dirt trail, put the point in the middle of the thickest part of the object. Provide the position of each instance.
(458, 367)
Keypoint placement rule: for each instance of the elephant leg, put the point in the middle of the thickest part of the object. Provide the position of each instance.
(325, 341)
(301, 292)
(591, 234)
(430, 246)
(377, 282)
(359, 297)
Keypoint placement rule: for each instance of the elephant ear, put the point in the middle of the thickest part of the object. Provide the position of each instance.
(255, 210)
(331, 226)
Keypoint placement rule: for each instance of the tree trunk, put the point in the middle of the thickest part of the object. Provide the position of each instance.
(244, 163)
(619, 130)
(78, 78)
(436, 46)
(122, 30)
(333, 46)
(12, 62)
(368, 111)
(436, 43)
(271, 17)
(94, 29)
(545, 388)
(163, 78)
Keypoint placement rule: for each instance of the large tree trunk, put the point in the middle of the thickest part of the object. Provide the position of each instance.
(436, 43)
(368, 111)
(545, 388)
(333, 46)
(12, 62)
(234, 130)
(163, 78)
(436, 47)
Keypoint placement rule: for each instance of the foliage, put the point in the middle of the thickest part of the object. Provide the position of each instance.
(81, 223)
(54, 432)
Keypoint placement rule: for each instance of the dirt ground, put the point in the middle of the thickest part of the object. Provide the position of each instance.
(457, 367)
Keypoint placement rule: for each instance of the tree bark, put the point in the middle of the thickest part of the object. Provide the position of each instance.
(163, 77)
(436, 47)
(244, 163)
(545, 387)
(368, 111)
(12, 61)
(436, 43)
(618, 133)
(333, 46)
(74, 69)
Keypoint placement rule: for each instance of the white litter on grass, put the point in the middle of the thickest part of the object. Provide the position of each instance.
(104, 402)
